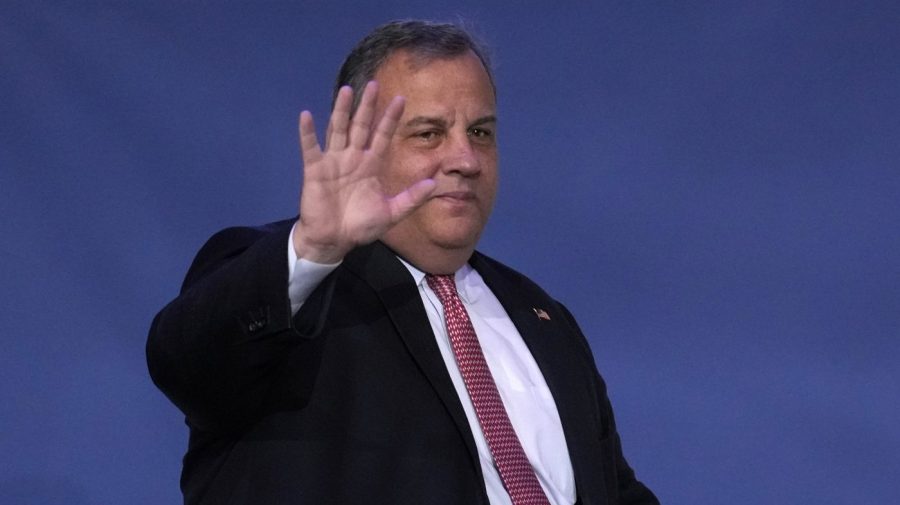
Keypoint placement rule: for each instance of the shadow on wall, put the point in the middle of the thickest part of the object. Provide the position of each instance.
(42, 490)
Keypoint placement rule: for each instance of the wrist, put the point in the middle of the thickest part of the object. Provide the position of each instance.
(316, 251)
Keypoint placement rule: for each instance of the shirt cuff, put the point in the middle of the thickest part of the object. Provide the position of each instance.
(303, 275)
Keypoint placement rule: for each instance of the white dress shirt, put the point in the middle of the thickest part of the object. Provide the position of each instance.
(521, 385)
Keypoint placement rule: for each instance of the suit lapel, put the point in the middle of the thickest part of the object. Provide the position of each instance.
(377, 265)
(562, 362)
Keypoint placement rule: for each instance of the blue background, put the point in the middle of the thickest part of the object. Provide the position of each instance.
(712, 189)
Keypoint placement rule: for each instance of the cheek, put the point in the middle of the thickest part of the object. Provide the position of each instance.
(490, 176)
(489, 199)
(402, 169)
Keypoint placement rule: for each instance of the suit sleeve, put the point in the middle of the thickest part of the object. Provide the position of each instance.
(628, 490)
(217, 350)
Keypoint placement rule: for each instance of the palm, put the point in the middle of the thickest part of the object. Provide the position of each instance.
(343, 203)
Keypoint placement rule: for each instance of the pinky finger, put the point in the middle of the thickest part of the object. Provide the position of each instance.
(309, 143)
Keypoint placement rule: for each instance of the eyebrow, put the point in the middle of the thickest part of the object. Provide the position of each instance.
(484, 120)
(440, 122)
(425, 120)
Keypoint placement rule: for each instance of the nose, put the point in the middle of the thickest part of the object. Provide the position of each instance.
(462, 157)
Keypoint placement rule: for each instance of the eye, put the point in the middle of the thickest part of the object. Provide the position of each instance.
(427, 137)
(481, 135)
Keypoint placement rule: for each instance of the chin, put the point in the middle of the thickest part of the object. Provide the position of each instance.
(458, 239)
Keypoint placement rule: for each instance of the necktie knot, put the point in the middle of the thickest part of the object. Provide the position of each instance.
(444, 286)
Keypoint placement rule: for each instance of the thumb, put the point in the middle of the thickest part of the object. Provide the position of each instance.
(408, 200)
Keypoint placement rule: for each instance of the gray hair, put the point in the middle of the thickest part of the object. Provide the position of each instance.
(424, 39)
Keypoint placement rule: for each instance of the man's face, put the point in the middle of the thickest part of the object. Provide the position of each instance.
(447, 133)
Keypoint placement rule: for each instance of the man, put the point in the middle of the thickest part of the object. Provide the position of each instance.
(364, 352)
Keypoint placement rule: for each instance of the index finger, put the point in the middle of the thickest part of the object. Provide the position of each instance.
(387, 125)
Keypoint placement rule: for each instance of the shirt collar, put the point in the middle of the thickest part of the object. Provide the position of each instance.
(468, 283)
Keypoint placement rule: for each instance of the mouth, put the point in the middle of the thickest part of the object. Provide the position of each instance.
(457, 196)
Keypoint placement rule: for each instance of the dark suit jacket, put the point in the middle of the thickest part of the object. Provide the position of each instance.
(349, 401)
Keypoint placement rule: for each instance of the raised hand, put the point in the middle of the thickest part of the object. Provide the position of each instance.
(343, 203)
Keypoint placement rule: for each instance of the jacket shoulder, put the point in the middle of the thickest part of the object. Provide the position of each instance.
(491, 269)
(228, 243)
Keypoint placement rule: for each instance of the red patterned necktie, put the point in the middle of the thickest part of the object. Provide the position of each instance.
(512, 463)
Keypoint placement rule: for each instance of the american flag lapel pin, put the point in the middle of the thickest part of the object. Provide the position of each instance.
(541, 313)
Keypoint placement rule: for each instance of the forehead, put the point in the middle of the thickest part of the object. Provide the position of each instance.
(420, 78)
